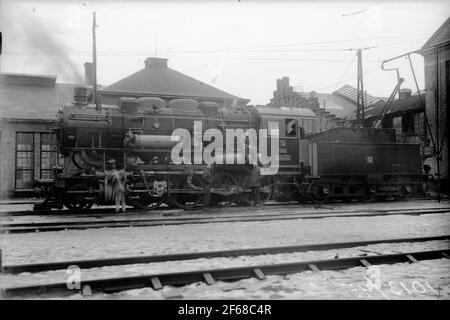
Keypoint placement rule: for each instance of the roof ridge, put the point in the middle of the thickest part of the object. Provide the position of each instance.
(167, 82)
(429, 42)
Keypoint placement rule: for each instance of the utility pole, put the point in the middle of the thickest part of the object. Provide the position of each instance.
(438, 133)
(94, 62)
(360, 93)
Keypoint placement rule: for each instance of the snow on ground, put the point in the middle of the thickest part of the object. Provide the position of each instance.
(345, 284)
(423, 280)
(214, 263)
(119, 242)
(116, 242)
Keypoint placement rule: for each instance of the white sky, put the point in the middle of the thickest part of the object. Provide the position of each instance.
(241, 47)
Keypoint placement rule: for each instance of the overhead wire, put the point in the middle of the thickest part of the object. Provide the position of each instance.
(345, 72)
(239, 50)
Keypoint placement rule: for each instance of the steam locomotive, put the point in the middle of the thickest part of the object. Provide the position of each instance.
(137, 137)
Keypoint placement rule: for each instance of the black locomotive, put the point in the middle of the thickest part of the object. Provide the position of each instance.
(137, 135)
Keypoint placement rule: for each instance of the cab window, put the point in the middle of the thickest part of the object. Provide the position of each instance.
(291, 127)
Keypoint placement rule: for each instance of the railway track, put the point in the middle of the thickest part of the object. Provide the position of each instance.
(201, 219)
(210, 276)
(110, 210)
(96, 263)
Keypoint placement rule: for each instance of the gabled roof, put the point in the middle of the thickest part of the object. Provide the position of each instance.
(350, 93)
(340, 107)
(397, 106)
(35, 97)
(158, 79)
(440, 35)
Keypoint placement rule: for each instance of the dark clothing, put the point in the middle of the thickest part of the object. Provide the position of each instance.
(118, 182)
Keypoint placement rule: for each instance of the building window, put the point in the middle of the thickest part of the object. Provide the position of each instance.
(24, 160)
(397, 124)
(49, 155)
(36, 155)
(419, 124)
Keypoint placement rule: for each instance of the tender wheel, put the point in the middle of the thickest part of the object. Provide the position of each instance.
(78, 197)
(144, 201)
(314, 194)
(223, 190)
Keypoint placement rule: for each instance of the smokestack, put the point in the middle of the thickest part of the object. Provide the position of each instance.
(404, 94)
(89, 73)
(80, 96)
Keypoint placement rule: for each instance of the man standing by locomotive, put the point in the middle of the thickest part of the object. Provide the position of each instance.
(118, 181)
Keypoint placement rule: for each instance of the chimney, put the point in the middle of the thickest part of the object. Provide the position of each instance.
(153, 62)
(89, 73)
(404, 94)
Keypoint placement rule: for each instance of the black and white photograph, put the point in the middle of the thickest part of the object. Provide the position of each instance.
(237, 151)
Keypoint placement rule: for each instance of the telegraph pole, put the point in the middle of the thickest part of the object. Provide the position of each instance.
(94, 62)
(360, 93)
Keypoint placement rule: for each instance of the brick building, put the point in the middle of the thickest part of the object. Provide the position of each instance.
(405, 116)
(28, 106)
(436, 53)
(333, 110)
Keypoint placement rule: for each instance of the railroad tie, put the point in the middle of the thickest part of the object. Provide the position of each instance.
(208, 278)
(259, 274)
(156, 284)
(313, 267)
(411, 258)
(365, 263)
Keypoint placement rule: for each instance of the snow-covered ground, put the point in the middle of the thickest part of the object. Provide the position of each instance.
(116, 242)
(423, 280)
(188, 265)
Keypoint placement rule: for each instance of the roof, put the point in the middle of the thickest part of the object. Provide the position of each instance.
(350, 93)
(32, 96)
(439, 36)
(28, 79)
(158, 79)
(335, 104)
(408, 104)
